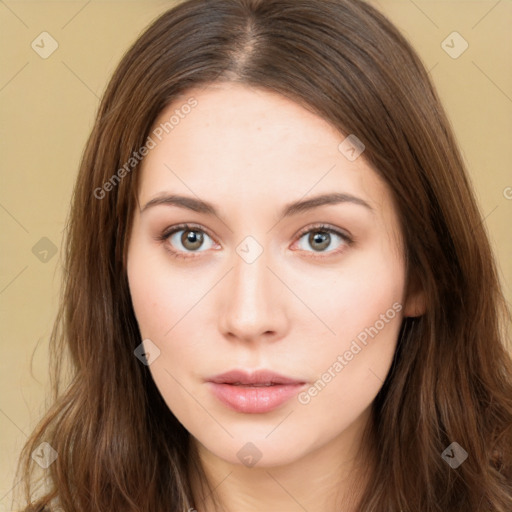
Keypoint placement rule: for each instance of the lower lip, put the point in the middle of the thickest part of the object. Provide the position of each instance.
(254, 399)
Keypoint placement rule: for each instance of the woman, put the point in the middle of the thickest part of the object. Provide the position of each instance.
(338, 342)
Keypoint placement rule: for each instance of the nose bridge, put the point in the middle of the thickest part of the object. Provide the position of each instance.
(252, 306)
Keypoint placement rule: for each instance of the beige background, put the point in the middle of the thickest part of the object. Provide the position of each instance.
(48, 105)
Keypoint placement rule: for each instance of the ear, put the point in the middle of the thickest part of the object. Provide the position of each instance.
(416, 302)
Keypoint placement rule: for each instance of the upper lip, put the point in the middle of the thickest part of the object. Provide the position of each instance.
(244, 377)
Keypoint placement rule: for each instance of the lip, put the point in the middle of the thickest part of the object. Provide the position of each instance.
(254, 392)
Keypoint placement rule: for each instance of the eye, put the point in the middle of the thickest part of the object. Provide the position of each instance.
(321, 237)
(186, 239)
(183, 240)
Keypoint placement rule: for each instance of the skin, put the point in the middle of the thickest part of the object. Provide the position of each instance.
(293, 310)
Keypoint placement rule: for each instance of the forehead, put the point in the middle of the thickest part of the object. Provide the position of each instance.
(229, 140)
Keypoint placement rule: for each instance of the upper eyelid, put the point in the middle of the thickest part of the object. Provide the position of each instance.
(325, 226)
(181, 227)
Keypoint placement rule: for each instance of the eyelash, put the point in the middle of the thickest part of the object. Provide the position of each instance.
(193, 227)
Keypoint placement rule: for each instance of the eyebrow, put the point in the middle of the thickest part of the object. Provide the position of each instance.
(294, 208)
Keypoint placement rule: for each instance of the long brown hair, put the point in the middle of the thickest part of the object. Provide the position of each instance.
(119, 446)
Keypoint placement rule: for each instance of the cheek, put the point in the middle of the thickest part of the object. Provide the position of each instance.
(350, 367)
(160, 294)
(169, 305)
(355, 296)
(363, 310)
(162, 300)
(156, 304)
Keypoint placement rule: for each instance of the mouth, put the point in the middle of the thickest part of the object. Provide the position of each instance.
(254, 392)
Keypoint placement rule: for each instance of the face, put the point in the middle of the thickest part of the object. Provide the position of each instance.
(252, 271)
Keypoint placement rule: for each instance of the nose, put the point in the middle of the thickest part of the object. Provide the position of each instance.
(252, 302)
